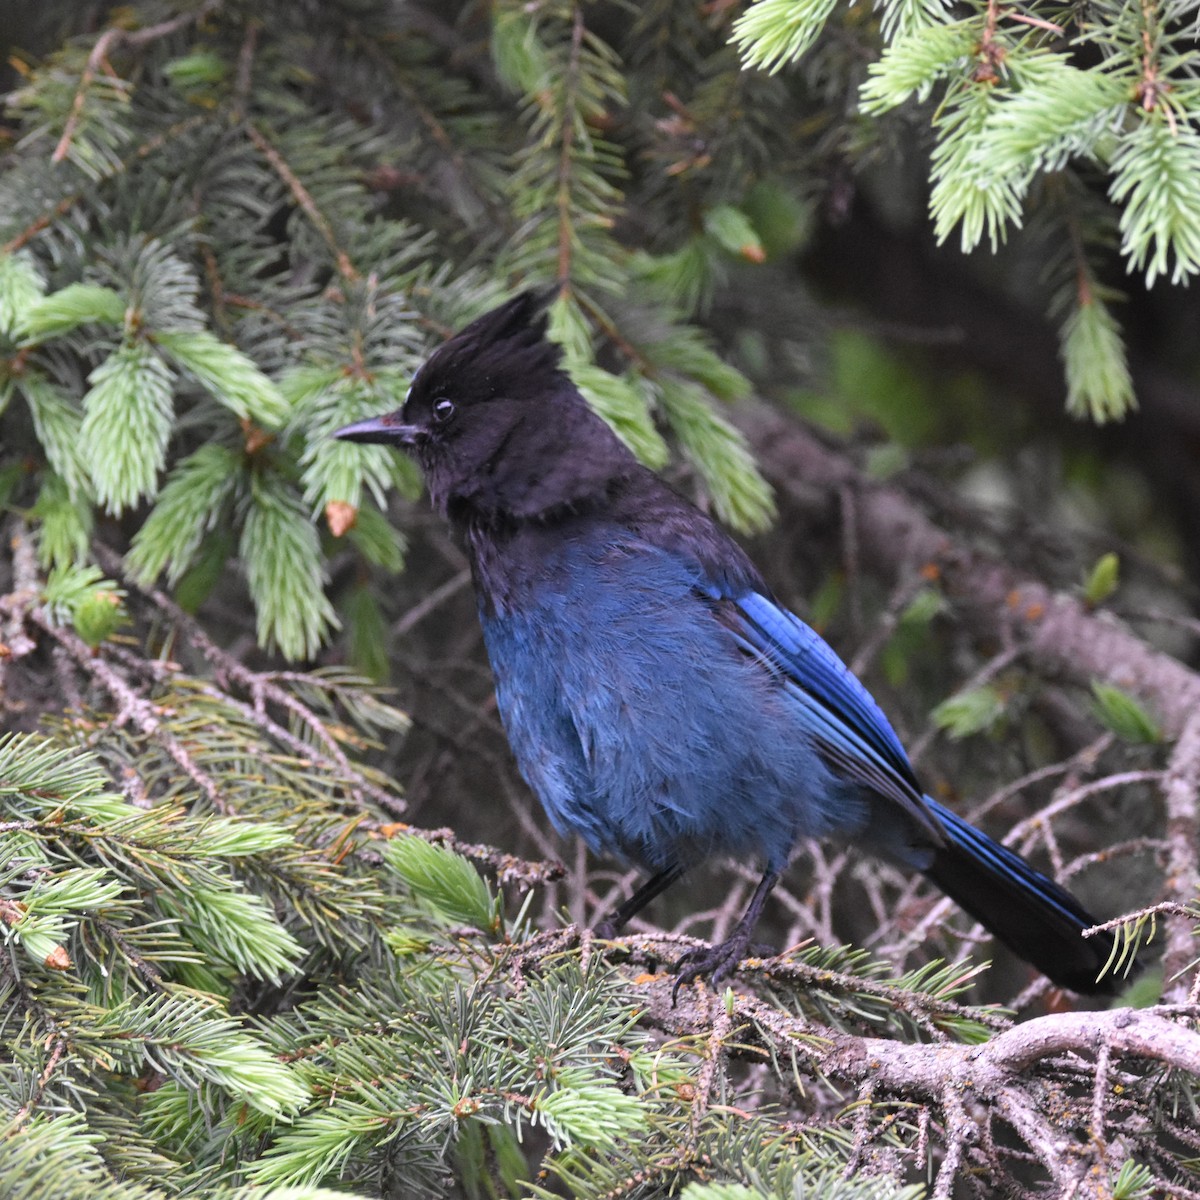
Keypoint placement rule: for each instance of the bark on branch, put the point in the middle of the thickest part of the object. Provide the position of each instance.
(1030, 1077)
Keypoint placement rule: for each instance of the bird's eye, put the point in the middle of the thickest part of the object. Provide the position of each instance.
(443, 410)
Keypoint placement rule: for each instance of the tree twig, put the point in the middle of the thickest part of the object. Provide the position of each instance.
(1183, 872)
(108, 40)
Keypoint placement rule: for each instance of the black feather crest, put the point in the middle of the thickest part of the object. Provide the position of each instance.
(505, 352)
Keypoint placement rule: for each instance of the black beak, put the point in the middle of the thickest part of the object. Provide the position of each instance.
(385, 430)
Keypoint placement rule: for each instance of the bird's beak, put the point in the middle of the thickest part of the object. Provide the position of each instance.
(386, 430)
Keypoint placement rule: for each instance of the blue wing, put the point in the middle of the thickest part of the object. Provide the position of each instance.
(841, 716)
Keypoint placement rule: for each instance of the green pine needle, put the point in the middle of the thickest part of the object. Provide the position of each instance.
(446, 880)
(127, 422)
(773, 33)
(914, 63)
(1156, 177)
(21, 288)
(77, 304)
(231, 376)
(1099, 384)
(285, 570)
(192, 502)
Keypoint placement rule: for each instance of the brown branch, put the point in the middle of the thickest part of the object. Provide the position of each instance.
(98, 55)
(245, 68)
(263, 689)
(67, 203)
(967, 1083)
(147, 971)
(928, 1011)
(15, 643)
(1179, 790)
(1127, 1032)
(131, 707)
(104, 44)
(304, 199)
(31, 231)
(52, 1063)
(431, 602)
(1036, 22)
(566, 138)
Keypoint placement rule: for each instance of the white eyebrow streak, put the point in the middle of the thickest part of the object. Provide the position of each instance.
(412, 383)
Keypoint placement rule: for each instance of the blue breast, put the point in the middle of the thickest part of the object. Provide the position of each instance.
(641, 724)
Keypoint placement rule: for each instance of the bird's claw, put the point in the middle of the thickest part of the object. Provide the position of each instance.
(716, 962)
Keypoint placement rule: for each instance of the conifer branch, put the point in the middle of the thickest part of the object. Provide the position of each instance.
(264, 688)
(304, 199)
(58, 1047)
(285, 990)
(15, 642)
(64, 206)
(1060, 632)
(105, 44)
(131, 706)
(566, 137)
(1180, 790)
(940, 1073)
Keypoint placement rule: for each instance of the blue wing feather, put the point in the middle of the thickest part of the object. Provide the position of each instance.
(857, 738)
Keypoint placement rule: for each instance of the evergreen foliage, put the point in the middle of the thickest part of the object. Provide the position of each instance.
(194, 1001)
(189, 362)
(214, 984)
(227, 969)
(205, 248)
(1025, 100)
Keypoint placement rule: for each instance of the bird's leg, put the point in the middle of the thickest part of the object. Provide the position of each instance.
(722, 960)
(656, 884)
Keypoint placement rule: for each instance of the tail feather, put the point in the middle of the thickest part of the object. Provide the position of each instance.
(1027, 911)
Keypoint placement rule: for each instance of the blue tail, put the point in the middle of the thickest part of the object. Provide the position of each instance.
(1028, 912)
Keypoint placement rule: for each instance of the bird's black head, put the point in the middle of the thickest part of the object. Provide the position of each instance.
(497, 425)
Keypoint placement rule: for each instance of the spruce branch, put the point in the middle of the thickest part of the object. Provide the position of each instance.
(131, 707)
(131, 393)
(566, 184)
(58, 1047)
(304, 199)
(265, 689)
(1099, 382)
(108, 41)
(942, 1073)
(268, 693)
(1155, 179)
(566, 137)
(843, 985)
(64, 206)
(15, 642)
(772, 33)
(1059, 630)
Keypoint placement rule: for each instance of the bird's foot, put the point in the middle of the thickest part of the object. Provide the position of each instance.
(716, 963)
(605, 930)
(721, 960)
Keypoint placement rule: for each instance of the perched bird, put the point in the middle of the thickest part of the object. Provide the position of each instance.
(660, 702)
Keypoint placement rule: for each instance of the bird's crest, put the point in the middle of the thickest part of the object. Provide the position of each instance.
(503, 352)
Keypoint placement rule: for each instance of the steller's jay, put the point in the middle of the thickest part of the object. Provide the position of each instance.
(660, 702)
